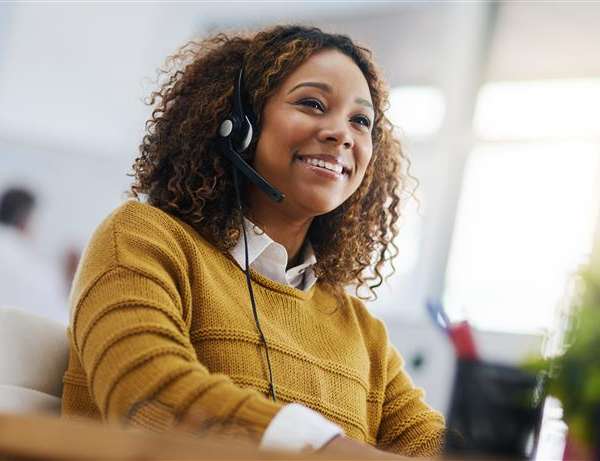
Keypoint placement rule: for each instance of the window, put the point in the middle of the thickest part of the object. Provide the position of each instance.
(417, 111)
(529, 203)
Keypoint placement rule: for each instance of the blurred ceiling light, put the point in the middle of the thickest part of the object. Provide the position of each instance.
(547, 109)
(417, 111)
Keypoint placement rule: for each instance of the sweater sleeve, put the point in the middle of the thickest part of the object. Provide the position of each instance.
(130, 331)
(408, 426)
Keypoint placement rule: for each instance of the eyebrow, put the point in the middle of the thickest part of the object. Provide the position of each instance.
(327, 89)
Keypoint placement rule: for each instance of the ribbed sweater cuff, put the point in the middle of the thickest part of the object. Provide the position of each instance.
(256, 414)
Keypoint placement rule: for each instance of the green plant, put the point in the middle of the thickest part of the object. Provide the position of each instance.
(574, 376)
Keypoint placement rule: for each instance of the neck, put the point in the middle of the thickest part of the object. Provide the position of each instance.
(286, 230)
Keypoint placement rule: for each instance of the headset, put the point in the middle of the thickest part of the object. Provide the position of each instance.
(235, 136)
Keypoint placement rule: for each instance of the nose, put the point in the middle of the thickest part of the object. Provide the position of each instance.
(337, 132)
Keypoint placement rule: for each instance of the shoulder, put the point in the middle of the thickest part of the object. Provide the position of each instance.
(376, 333)
(142, 217)
(139, 240)
(134, 224)
(139, 236)
(373, 324)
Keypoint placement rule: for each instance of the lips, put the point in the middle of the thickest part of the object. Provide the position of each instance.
(326, 162)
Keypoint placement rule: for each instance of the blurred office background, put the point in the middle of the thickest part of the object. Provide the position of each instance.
(497, 104)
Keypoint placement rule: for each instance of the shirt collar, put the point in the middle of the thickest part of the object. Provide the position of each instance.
(270, 258)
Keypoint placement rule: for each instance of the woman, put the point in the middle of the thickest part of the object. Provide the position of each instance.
(163, 332)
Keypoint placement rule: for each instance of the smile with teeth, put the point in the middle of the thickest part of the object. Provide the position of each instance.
(336, 168)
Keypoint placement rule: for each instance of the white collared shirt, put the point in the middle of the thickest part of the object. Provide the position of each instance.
(270, 259)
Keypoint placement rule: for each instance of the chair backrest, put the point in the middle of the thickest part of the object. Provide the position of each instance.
(33, 358)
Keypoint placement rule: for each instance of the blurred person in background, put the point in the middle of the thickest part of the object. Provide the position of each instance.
(27, 281)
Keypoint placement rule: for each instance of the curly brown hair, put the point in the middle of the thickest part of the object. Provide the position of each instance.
(180, 169)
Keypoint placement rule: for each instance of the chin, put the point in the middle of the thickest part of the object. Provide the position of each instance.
(315, 201)
(319, 207)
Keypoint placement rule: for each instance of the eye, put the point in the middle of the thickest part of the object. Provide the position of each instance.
(362, 120)
(313, 103)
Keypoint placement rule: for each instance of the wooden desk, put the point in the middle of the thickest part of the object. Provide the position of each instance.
(27, 437)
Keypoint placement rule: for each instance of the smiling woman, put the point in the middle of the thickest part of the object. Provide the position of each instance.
(180, 173)
(315, 145)
(161, 332)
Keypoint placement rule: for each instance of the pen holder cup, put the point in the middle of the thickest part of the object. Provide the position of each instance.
(495, 411)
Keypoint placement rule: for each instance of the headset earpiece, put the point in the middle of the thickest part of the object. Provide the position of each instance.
(239, 130)
(235, 136)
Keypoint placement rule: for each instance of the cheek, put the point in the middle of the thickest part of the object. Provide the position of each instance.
(364, 157)
(295, 129)
(281, 135)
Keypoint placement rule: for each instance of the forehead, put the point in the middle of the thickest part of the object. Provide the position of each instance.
(334, 68)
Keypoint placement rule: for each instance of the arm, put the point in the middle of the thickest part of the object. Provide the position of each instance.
(130, 331)
(408, 426)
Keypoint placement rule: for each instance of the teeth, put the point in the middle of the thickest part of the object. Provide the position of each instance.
(323, 164)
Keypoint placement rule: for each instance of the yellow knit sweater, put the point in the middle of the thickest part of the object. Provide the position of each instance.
(162, 328)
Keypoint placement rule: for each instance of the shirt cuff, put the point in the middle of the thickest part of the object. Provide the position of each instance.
(296, 428)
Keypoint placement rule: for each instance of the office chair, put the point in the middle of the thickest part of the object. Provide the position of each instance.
(33, 359)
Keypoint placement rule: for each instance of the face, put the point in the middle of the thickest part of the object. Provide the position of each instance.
(315, 142)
